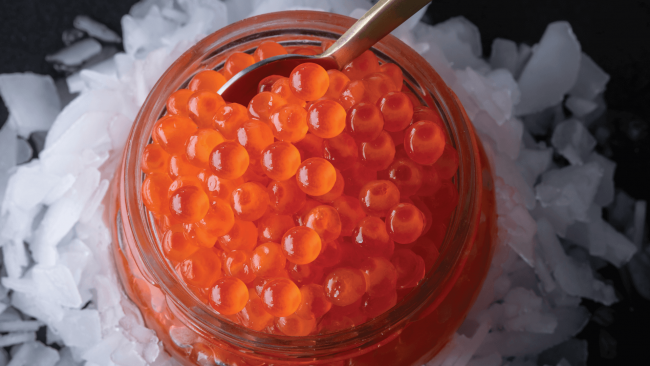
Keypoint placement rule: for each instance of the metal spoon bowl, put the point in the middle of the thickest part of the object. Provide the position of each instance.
(374, 25)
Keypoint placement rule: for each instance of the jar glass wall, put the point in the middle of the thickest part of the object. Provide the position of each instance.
(417, 327)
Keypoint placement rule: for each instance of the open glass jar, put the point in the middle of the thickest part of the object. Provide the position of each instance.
(411, 332)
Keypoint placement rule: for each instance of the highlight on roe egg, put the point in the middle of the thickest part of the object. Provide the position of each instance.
(229, 295)
(309, 81)
(364, 122)
(268, 49)
(338, 82)
(285, 196)
(171, 132)
(236, 62)
(343, 286)
(154, 159)
(218, 187)
(405, 174)
(378, 197)
(305, 273)
(266, 84)
(424, 142)
(254, 135)
(249, 201)
(325, 221)
(177, 246)
(229, 160)
(280, 160)
(282, 87)
(203, 106)
(264, 104)
(355, 93)
(326, 118)
(405, 223)
(316, 176)
(242, 236)
(272, 227)
(295, 326)
(189, 204)
(371, 234)
(268, 259)
(341, 151)
(177, 102)
(379, 153)
(228, 118)
(154, 193)
(281, 297)
(209, 80)
(366, 64)
(200, 146)
(397, 109)
(301, 245)
(289, 123)
(179, 166)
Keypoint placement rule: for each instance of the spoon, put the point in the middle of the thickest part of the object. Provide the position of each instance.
(374, 25)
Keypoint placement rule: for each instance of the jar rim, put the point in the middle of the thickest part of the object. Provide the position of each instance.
(436, 284)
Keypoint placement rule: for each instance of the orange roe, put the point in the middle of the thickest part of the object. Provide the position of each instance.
(316, 176)
(229, 160)
(367, 63)
(201, 269)
(177, 246)
(203, 106)
(424, 142)
(364, 122)
(281, 297)
(397, 109)
(229, 118)
(447, 165)
(266, 84)
(378, 197)
(177, 102)
(309, 81)
(249, 201)
(305, 273)
(229, 295)
(171, 132)
(154, 159)
(378, 85)
(264, 104)
(242, 236)
(217, 187)
(343, 286)
(376, 305)
(381, 276)
(356, 177)
(295, 326)
(341, 151)
(394, 72)
(254, 315)
(272, 227)
(285, 197)
(254, 136)
(282, 87)
(379, 153)
(208, 80)
(370, 234)
(268, 259)
(405, 223)
(338, 82)
(189, 204)
(406, 174)
(311, 146)
(314, 303)
(179, 165)
(335, 192)
(409, 266)
(237, 264)
(236, 62)
(268, 49)
(326, 118)
(325, 221)
(201, 144)
(350, 212)
(289, 123)
(301, 245)
(355, 93)
(218, 221)
(280, 160)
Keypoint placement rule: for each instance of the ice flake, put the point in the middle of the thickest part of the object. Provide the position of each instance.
(551, 71)
(16, 338)
(605, 193)
(34, 354)
(591, 79)
(532, 163)
(182, 336)
(142, 35)
(74, 255)
(271, 6)
(20, 326)
(573, 141)
(77, 53)
(580, 107)
(32, 101)
(461, 348)
(504, 55)
(79, 328)
(523, 311)
(8, 155)
(100, 353)
(95, 29)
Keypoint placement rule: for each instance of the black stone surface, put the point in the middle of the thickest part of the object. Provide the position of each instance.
(616, 34)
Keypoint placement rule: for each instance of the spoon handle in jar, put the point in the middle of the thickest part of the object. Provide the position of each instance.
(374, 25)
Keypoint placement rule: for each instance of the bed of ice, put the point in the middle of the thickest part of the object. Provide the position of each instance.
(57, 273)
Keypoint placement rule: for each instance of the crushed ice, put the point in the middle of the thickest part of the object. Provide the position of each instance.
(550, 215)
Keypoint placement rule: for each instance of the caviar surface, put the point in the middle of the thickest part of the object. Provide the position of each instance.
(309, 210)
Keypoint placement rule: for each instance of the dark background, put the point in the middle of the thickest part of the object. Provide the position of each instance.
(616, 34)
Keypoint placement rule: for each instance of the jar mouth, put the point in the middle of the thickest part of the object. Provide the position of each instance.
(304, 27)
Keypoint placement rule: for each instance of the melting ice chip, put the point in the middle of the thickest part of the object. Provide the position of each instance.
(551, 71)
(95, 29)
(504, 55)
(573, 141)
(591, 79)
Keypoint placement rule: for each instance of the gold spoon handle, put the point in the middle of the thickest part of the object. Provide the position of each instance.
(374, 25)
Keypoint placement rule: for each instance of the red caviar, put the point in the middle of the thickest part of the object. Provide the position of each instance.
(240, 228)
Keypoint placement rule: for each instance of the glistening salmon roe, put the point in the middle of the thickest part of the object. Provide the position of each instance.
(240, 229)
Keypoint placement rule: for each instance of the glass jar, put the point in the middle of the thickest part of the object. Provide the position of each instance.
(408, 334)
